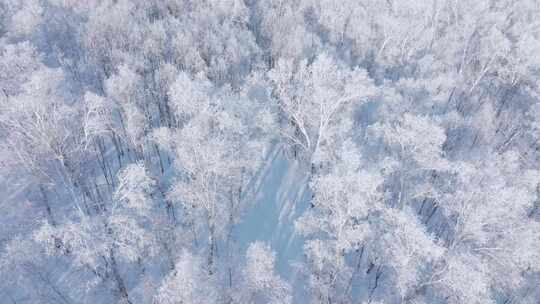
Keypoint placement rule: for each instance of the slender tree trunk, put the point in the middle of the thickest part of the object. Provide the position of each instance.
(120, 285)
(212, 249)
(48, 209)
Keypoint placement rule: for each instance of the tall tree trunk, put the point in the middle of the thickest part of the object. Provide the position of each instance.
(212, 249)
(120, 285)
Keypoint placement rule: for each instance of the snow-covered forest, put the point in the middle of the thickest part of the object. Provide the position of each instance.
(270, 151)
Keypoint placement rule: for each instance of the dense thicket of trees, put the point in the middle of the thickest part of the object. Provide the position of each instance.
(135, 137)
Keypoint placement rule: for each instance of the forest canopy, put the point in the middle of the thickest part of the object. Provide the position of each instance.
(270, 151)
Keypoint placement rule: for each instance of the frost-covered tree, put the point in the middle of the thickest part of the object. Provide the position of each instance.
(337, 224)
(317, 101)
(189, 283)
(119, 233)
(259, 282)
(214, 164)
